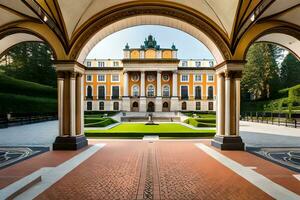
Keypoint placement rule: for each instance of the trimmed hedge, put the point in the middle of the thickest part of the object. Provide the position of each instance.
(15, 86)
(98, 122)
(199, 123)
(26, 104)
(100, 113)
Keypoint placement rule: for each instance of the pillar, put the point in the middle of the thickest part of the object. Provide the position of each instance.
(228, 106)
(158, 100)
(60, 97)
(220, 104)
(174, 99)
(125, 91)
(70, 106)
(143, 106)
(125, 99)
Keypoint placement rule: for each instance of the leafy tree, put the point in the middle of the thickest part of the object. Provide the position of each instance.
(290, 71)
(31, 61)
(261, 73)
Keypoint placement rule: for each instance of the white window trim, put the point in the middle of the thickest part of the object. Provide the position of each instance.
(104, 78)
(118, 65)
(87, 105)
(148, 90)
(195, 78)
(113, 103)
(88, 62)
(209, 80)
(86, 90)
(87, 79)
(138, 89)
(184, 61)
(112, 78)
(103, 105)
(196, 63)
(207, 90)
(101, 62)
(188, 78)
(195, 90)
(111, 90)
(104, 90)
(162, 89)
(187, 87)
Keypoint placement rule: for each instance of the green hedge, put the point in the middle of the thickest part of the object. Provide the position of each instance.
(205, 123)
(26, 104)
(98, 122)
(100, 113)
(206, 120)
(15, 86)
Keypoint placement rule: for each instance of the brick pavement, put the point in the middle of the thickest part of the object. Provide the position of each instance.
(170, 170)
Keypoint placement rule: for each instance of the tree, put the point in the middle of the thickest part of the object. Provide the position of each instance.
(31, 61)
(261, 73)
(290, 71)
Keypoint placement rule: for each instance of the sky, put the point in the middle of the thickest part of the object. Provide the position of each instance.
(112, 46)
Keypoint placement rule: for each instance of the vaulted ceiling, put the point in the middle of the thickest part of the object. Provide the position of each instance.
(67, 19)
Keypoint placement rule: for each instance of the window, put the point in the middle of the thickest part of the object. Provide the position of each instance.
(115, 78)
(89, 78)
(101, 64)
(89, 64)
(101, 105)
(135, 91)
(165, 77)
(135, 104)
(210, 105)
(101, 92)
(116, 63)
(198, 105)
(210, 78)
(183, 106)
(150, 77)
(115, 92)
(135, 77)
(184, 63)
(198, 92)
(210, 92)
(165, 105)
(89, 92)
(185, 78)
(116, 106)
(89, 105)
(197, 77)
(198, 64)
(101, 78)
(166, 91)
(211, 63)
(150, 91)
(184, 92)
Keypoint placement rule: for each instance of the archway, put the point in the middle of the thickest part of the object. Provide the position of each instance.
(151, 107)
(135, 107)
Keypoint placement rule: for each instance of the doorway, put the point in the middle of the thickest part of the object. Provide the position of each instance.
(151, 107)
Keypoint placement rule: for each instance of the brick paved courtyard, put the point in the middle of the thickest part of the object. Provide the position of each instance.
(156, 170)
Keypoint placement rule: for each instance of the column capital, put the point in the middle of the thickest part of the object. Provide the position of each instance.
(60, 75)
(73, 75)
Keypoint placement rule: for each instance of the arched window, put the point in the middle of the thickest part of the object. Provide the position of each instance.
(89, 92)
(135, 91)
(183, 106)
(198, 92)
(89, 105)
(135, 104)
(210, 92)
(101, 105)
(166, 91)
(116, 106)
(150, 91)
(165, 105)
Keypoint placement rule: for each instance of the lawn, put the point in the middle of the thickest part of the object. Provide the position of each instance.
(137, 130)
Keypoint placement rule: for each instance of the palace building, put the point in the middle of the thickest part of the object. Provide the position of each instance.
(150, 79)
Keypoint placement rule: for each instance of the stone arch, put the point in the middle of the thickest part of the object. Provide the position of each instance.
(183, 19)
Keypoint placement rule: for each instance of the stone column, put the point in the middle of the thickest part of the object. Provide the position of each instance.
(125, 99)
(220, 104)
(238, 104)
(60, 96)
(143, 106)
(72, 104)
(174, 99)
(158, 100)
(79, 105)
(227, 104)
(125, 91)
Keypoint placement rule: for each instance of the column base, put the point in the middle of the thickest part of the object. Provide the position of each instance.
(70, 142)
(228, 143)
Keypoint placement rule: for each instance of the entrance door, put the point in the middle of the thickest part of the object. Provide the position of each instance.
(210, 106)
(151, 107)
(165, 107)
(135, 107)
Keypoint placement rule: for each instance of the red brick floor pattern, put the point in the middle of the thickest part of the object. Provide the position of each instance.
(183, 170)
